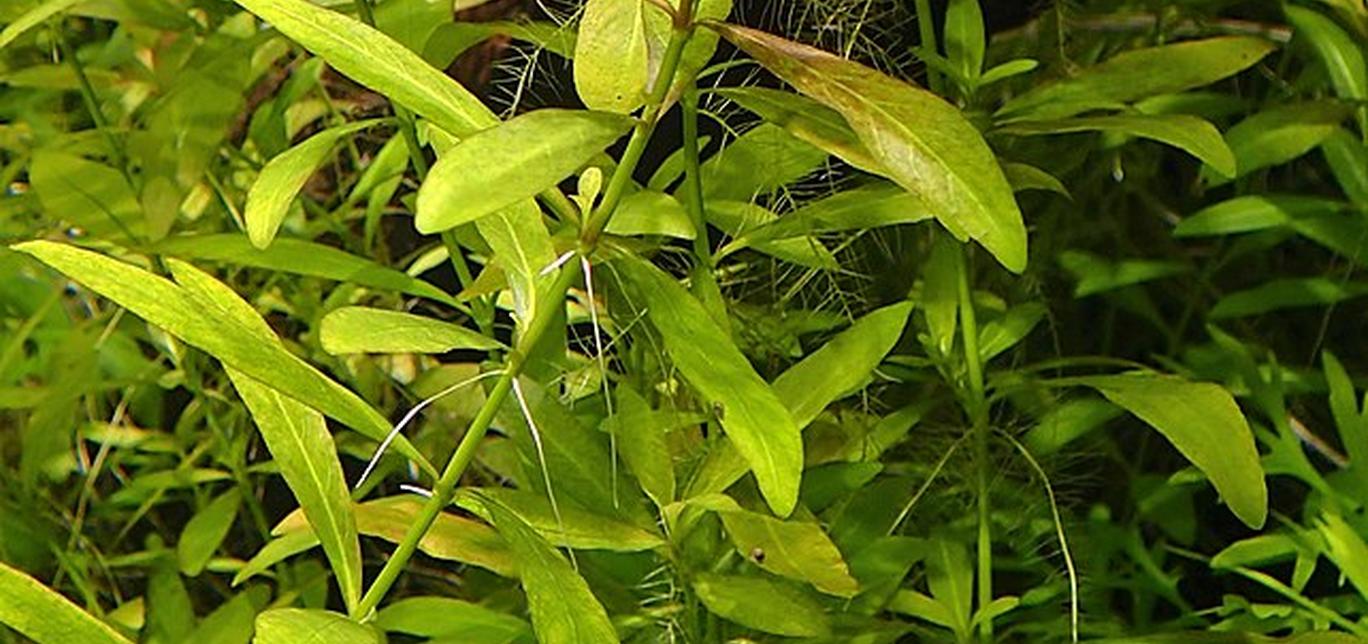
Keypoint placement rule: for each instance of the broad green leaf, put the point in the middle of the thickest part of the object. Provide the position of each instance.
(1346, 548)
(42, 615)
(301, 446)
(233, 622)
(641, 442)
(32, 18)
(762, 604)
(1003, 333)
(567, 524)
(1188, 133)
(1098, 275)
(1347, 157)
(297, 625)
(805, 119)
(1280, 134)
(942, 160)
(1140, 73)
(795, 549)
(1203, 422)
(301, 258)
(358, 329)
(1066, 422)
(670, 170)
(915, 604)
(170, 613)
(1251, 213)
(522, 249)
(951, 580)
(757, 163)
(452, 620)
(87, 194)
(284, 176)
(564, 610)
(964, 39)
(737, 217)
(276, 551)
(1286, 293)
(869, 206)
(939, 292)
(375, 60)
(451, 39)
(1342, 57)
(754, 419)
(651, 213)
(514, 161)
(1256, 551)
(205, 531)
(612, 58)
(239, 340)
(1028, 177)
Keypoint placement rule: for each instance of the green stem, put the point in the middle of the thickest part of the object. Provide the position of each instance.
(926, 25)
(978, 414)
(445, 488)
(92, 105)
(693, 180)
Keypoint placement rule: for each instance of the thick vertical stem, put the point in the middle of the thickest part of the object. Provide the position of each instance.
(693, 180)
(977, 407)
(926, 26)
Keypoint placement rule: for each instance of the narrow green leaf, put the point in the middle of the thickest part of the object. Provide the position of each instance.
(301, 258)
(303, 449)
(358, 329)
(87, 194)
(1350, 421)
(1028, 177)
(284, 176)
(276, 551)
(1346, 548)
(762, 160)
(205, 531)
(1139, 73)
(641, 441)
(737, 217)
(564, 610)
(1004, 71)
(568, 524)
(514, 161)
(1203, 422)
(1347, 157)
(762, 604)
(373, 59)
(1256, 551)
(870, 206)
(41, 614)
(296, 625)
(238, 337)
(798, 550)
(32, 18)
(1280, 134)
(452, 620)
(754, 419)
(612, 58)
(805, 119)
(1189, 133)
(1003, 333)
(1286, 293)
(1336, 49)
(964, 38)
(1098, 275)
(522, 249)
(939, 293)
(1251, 213)
(915, 604)
(1066, 422)
(651, 213)
(951, 580)
(942, 160)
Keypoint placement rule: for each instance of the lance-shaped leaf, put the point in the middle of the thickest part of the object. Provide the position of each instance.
(284, 176)
(453, 620)
(763, 431)
(1342, 57)
(612, 58)
(295, 625)
(564, 610)
(359, 329)
(1203, 422)
(42, 615)
(1140, 73)
(32, 18)
(233, 333)
(807, 120)
(1280, 134)
(205, 531)
(1188, 133)
(373, 59)
(795, 549)
(512, 162)
(566, 524)
(921, 142)
(302, 448)
(762, 604)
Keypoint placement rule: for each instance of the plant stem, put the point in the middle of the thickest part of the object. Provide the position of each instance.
(926, 26)
(693, 180)
(978, 414)
(92, 105)
(445, 488)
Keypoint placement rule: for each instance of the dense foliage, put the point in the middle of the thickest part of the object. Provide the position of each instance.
(679, 321)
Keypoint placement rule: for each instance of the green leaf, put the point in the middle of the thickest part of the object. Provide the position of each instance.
(737, 217)
(1251, 213)
(374, 60)
(499, 167)
(1280, 134)
(754, 419)
(303, 449)
(870, 206)
(32, 18)
(233, 622)
(522, 248)
(1189, 133)
(301, 258)
(284, 176)
(641, 441)
(805, 119)
(1347, 157)
(205, 531)
(1006, 70)
(358, 329)
(951, 580)
(763, 160)
(942, 160)
(1028, 177)
(564, 610)
(612, 59)
(1287, 293)
(1098, 275)
(90, 195)
(1203, 422)
(1346, 548)
(567, 524)
(795, 549)
(940, 294)
(964, 39)
(1256, 551)
(296, 625)
(1351, 422)
(915, 604)
(452, 620)
(236, 336)
(1003, 333)
(1335, 48)
(762, 604)
(1066, 422)
(1140, 73)
(651, 213)
(42, 615)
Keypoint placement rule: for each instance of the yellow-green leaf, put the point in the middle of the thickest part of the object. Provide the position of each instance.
(359, 329)
(612, 58)
(42, 615)
(1191, 134)
(296, 625)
